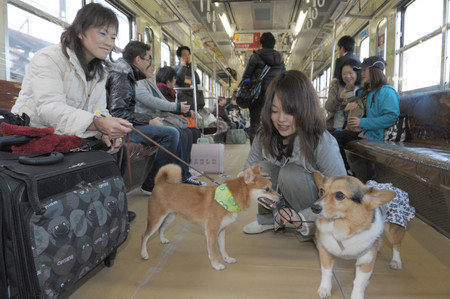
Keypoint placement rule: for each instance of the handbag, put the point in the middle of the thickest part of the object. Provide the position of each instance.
(173, 120)
(399, 131)
(249, 89)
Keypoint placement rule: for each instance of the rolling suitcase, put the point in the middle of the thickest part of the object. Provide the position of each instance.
(58, 220)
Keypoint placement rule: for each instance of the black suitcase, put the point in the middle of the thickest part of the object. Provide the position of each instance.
(58, 221)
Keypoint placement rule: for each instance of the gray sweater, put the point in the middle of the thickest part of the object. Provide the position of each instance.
(149, 99)
(328, 158)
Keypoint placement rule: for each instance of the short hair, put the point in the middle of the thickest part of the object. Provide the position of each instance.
(267, 40)
(134, 49)
(164, 74)
(347, 42)
(90, 15)
(352, 63)
(180, 50)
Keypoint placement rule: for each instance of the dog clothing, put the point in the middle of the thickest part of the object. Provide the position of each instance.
(398, 210)
(224, 197)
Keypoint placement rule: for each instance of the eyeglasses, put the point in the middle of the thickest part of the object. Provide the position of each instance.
(147, 59)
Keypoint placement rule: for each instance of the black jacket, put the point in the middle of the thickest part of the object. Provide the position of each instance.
(258, 61)
(121, 92)
(184, 79)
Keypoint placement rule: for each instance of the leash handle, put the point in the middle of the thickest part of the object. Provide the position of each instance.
(173, 155)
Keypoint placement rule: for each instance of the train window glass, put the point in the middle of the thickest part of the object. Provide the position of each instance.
(382, 38)
(124, 34)
(415, 66)
(200, 74)
(364, 48)
(27, 34)
(62, 9)
(421, 10)
(206, 82)
(165, 54)
(149, 39)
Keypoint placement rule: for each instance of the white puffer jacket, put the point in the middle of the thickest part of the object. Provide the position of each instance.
(55, 93)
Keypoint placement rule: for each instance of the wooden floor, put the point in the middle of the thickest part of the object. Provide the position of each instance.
(270, 265)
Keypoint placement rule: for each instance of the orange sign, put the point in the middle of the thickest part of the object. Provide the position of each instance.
(246, 41)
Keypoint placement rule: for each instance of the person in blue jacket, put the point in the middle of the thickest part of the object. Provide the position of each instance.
(382, 106)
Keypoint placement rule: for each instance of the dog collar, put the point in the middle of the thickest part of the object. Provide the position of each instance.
(224, 197)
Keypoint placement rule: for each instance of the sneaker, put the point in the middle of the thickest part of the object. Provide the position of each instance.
(147, 191)
(256, 228)
(303, 238)
(191, 181)
(194, 174)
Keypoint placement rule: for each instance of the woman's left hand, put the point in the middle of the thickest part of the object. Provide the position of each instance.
(353, 122)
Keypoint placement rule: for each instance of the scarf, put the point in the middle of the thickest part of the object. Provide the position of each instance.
(224, 197)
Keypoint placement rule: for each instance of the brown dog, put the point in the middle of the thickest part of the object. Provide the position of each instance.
(198, 205)
(350, 226)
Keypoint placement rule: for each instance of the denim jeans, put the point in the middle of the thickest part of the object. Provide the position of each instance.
(169, 138)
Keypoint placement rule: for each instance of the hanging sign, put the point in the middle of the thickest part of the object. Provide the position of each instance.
(246, 41)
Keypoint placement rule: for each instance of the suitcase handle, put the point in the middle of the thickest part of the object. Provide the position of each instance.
(52, 158)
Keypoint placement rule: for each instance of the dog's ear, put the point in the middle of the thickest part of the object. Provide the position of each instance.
(319, 179)
(249, 175)
(256, 168)
(375, 197)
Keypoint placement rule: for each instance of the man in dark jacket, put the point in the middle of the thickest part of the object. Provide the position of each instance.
(346, 46)
(184, 79)
(121, 93)
(267, 55)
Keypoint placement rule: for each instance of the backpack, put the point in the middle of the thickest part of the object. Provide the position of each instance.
(249, 90)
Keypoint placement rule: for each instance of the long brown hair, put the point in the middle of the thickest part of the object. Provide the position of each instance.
(377, 79)
(92, 14)
(299, 99)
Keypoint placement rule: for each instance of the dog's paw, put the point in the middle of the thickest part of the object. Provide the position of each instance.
(164, 240)
(229, 260)
(144, 255)
(218, 266)
(395, 264)
(324, 292)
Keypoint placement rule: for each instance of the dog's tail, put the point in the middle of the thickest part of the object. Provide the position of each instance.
(170, 173)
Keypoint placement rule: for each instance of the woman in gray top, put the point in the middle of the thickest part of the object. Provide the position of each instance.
(292, 142)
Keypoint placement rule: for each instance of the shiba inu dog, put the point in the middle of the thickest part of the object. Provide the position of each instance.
(350, 222)
(212, 207)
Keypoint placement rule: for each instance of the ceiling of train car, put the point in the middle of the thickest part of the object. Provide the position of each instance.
(277, 16)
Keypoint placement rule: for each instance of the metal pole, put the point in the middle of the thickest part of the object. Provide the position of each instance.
(194, 81)
(332, 54)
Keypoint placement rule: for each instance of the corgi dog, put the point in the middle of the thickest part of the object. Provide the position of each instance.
(350, 224)
(212, 207)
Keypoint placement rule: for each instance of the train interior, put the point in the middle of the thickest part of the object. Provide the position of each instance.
(221, 35)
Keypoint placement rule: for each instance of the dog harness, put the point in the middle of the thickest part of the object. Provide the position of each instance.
(224, 197)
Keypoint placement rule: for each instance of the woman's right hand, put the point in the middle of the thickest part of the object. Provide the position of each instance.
(112, 126)
(157, 121)
(351, 106)
(184, 107)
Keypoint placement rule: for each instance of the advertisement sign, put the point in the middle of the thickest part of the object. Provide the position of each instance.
(246, 41)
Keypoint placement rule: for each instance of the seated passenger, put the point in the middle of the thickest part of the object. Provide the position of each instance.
(121, 97)
(382, 106)
(64, 86)
(291, 143)
(341, 89)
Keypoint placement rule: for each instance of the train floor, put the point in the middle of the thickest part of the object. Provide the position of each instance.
(270, 265)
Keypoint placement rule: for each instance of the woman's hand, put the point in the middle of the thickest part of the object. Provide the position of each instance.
(192, 113)
(351, 106)
(287, 213)
(113, 144)
(184, 107)
(353, 122)
(157, 121)
(113, 127)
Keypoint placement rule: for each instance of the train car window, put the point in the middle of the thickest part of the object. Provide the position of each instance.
(382, 38)
(27, 33)
(125, 26)
(165, 54)
(207, 83)
(364, 48)
(62, 9)
(200, 74)
(421, 40)
(149, 39)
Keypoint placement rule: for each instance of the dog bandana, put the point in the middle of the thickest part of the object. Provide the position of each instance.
(224, 197)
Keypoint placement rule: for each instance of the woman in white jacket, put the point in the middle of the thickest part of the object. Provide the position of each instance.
(64, 86)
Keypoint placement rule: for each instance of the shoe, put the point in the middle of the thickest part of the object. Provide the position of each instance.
(194, 174)
(147, 191)
(303, 238)
(131, 216)
(191, 181)
(256, 228)
(304, 228)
